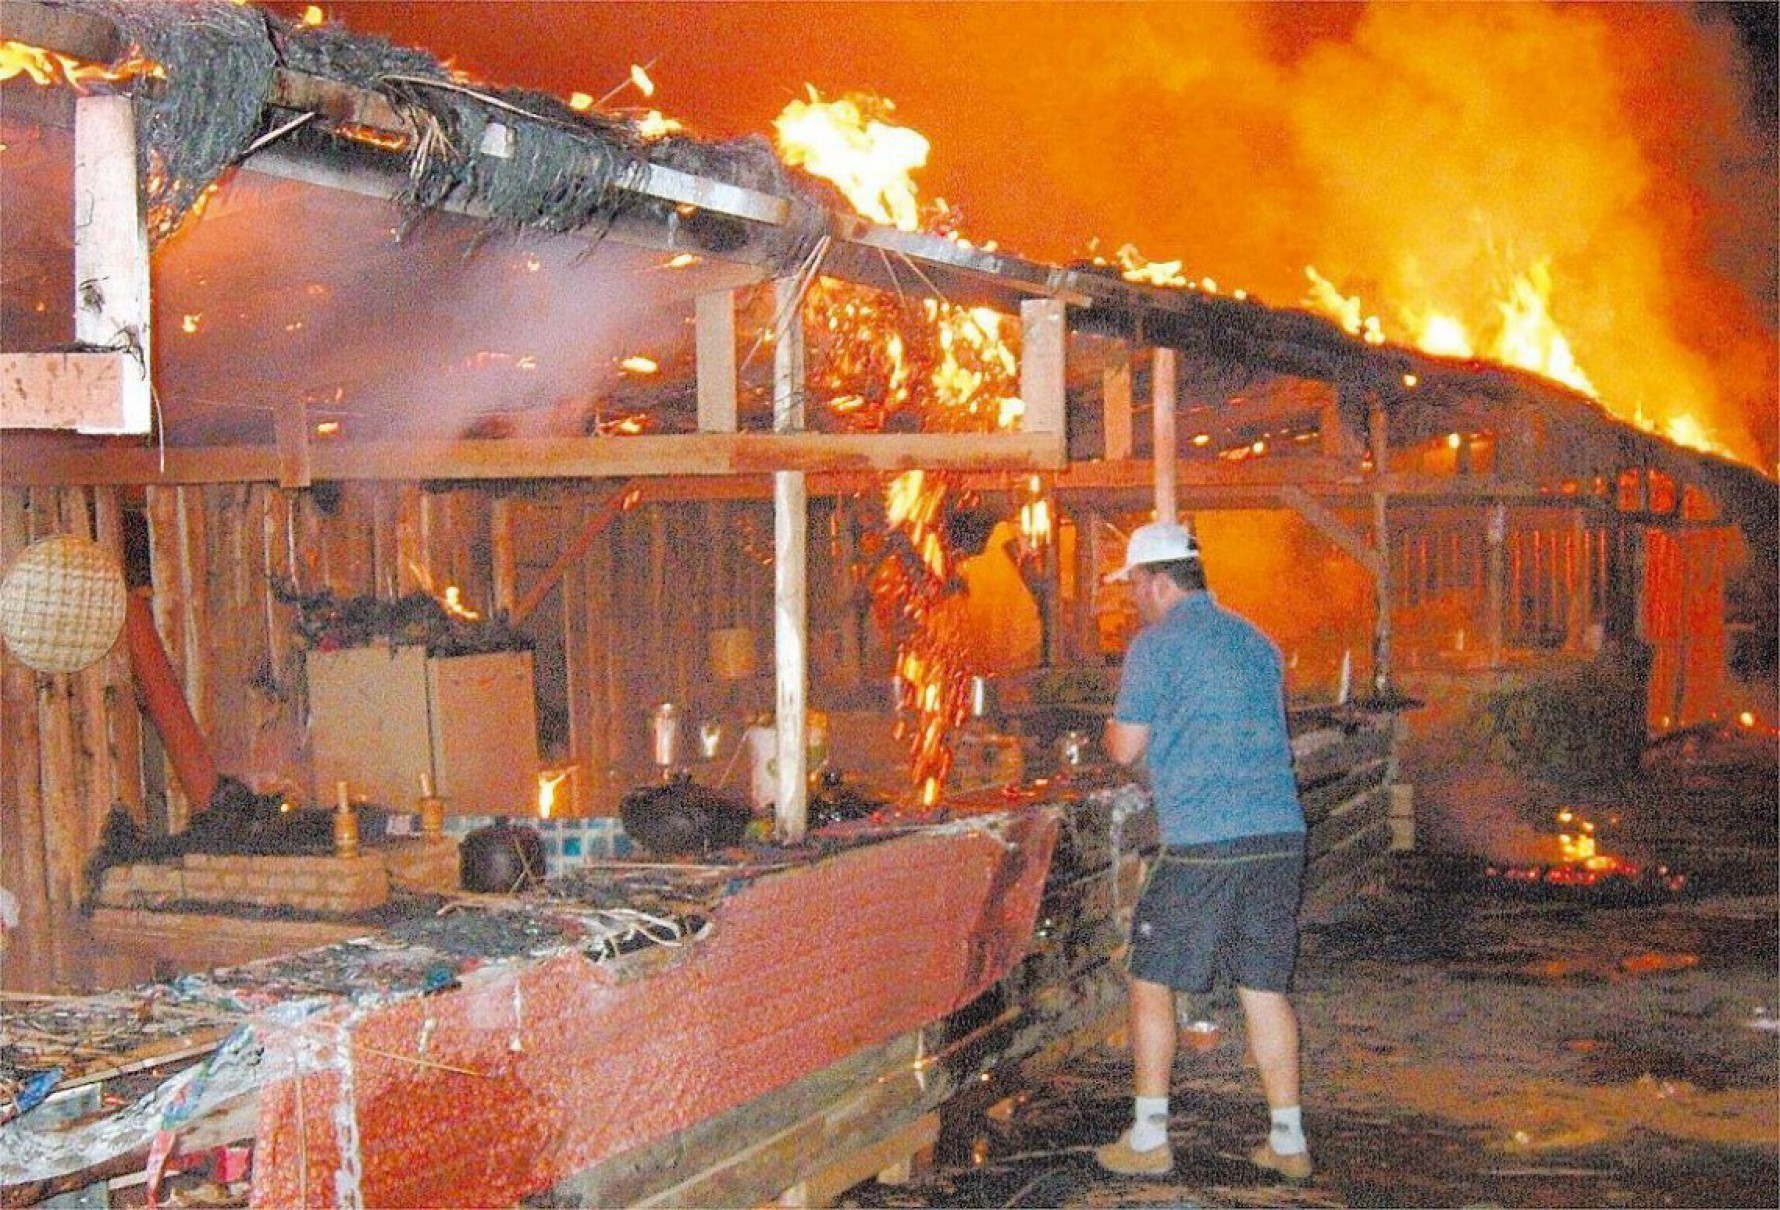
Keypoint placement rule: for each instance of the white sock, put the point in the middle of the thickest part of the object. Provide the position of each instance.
(1149, 1126)
(1287, 1136)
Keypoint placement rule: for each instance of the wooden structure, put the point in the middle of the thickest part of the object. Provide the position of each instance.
(398, 336)
(384, 366)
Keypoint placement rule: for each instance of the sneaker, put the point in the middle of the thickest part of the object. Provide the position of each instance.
(1118, 1156)
(1294, 1167)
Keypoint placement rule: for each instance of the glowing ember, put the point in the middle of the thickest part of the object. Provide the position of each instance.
(639, 365)
(652, 126)
(452, 600)
(1580, 863)
(850, 143)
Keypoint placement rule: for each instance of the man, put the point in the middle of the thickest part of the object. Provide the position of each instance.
(1201, 699)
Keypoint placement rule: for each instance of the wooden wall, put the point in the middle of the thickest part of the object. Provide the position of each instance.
(623, 621)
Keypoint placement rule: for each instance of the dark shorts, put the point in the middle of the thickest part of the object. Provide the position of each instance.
(1226, 910)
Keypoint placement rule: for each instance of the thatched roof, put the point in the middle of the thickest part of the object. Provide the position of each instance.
(341, 224)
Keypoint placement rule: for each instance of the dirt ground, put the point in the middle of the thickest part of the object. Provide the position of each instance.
(1467, 1044)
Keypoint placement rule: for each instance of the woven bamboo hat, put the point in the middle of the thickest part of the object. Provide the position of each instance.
(62, 604)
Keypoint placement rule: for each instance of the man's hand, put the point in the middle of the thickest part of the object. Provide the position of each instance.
(1125, 742)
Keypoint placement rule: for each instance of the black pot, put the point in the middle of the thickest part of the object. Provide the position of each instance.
(500, 859)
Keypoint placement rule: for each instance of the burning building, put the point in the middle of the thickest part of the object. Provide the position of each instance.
(427, 437)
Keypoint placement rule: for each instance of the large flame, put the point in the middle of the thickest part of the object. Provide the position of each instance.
(851, 142)
(881, 360)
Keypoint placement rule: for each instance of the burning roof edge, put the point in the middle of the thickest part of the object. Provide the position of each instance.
(241, 85)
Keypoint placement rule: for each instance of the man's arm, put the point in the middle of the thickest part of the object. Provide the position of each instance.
(1125, 742)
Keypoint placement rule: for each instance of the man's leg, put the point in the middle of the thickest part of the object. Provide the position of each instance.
(1273, 1040)
(1154, 1032)
(1144, 1149)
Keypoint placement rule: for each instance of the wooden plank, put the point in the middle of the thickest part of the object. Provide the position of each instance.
(83, 391)
(1115, 407)
(791, 622)
(654, 1169)
(715, 329)
(1044, 340)
(892, 1152)
(1164, 395)
(1331, 526)
(123, 719)
(111, 301)
(290, 420)
(686, 454)
(78, 34)
(1370, 808)
(26, 959)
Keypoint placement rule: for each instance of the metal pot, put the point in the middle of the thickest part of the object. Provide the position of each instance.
(500, 859)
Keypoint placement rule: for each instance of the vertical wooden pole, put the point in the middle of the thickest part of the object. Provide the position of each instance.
(504, 570)
(1381, 542)
(27, 963)
(790, 601)
(714, 323)
(124, 724)
(1163, 396)
(579, 626)
(1115, 394)
(111, 290)
(1043, 343)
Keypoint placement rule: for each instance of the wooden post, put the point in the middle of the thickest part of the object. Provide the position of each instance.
(27, 958)
(790, 556)
(1381, 542)
(1495, 539)
(1115, 411)
(111, 281)
(1043, 338)
(1163, 395)
(290, 423)
(714, 322)
(504, 575)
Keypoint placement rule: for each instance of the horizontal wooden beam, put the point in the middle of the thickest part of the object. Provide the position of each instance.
(691, 454)
(82, 391)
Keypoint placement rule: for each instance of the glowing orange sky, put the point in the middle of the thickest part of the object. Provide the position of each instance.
(1415, 154)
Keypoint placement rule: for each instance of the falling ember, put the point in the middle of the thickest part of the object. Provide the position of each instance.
(189, 323)
(638, 365)
(684, 260)
(548, 780)
(641, 81)
(849, 143)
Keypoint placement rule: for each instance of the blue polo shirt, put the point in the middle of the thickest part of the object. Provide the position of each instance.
(1210, 687)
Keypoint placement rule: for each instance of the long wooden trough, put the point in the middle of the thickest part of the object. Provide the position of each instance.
(776, 1024)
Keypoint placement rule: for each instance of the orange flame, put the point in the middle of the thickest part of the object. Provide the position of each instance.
(47, 67)
(849, 143)
(548, 780)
